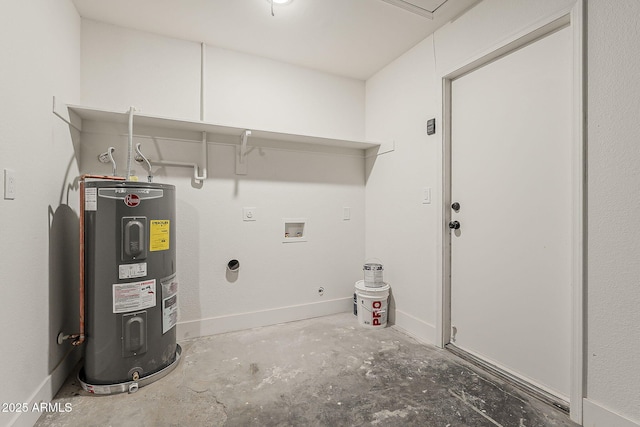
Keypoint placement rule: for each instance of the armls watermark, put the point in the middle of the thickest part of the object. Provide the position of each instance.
(40, 407)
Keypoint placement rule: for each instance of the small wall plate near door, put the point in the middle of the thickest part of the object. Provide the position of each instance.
(249, 214)
(295, 230)
(9, 184)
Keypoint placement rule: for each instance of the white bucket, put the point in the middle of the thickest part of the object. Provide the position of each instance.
(372, 305)
(373, 275)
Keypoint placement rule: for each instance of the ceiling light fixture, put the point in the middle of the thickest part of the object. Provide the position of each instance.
(278, 3)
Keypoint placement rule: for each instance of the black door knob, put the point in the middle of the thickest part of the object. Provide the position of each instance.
(454, 225)
(455, 206)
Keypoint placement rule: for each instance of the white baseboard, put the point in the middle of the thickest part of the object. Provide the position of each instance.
(47, 390)
(414, 327)
(242, 321)
(594, 415)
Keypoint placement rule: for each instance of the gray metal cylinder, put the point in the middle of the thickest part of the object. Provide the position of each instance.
(130, 280)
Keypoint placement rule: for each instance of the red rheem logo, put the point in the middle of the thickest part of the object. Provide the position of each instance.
(132, 200)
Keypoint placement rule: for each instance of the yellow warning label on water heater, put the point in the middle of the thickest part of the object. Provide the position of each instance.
(159, 234)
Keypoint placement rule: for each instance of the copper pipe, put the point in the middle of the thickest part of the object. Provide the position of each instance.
(80, 337)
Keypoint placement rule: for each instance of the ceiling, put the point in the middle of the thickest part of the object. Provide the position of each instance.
(353, 38)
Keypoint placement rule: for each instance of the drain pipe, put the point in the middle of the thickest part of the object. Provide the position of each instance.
(130, 145)
(203, 90)
(179, 164)
(199, 174)
(205, 156)
(203, 79)
(80, 336)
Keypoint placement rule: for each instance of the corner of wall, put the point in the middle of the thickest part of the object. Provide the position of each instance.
(596, 415)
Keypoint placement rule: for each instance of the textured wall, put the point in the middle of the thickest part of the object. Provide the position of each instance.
(122, 67)
(40, 46)
(401, 231)
(249, 91)
(613, 324)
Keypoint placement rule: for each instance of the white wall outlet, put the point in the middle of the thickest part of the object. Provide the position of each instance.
(249, 214)
(9, 184)
(426, 195)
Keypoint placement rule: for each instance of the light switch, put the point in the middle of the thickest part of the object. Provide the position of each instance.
(9, 184)
(249, 214)
(346, 214)
(426, 195)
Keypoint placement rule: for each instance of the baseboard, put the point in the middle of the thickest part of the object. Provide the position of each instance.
(414, 327)
(242, 321)
(47, 390)
(594, 415)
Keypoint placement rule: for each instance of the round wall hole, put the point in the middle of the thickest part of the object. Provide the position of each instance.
(233, 265)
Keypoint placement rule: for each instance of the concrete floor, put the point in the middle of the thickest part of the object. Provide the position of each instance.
(327, 371)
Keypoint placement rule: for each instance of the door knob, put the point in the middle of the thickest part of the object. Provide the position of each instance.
(455, 206)
(454, 225)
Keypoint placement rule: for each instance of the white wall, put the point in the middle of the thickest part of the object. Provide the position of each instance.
(157, 75)
(249, 91)
(161, 76)
(40, 47)
(613, 326)
(402, 231)
(277, 281)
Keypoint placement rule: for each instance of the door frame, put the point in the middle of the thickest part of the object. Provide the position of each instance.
(573, 17)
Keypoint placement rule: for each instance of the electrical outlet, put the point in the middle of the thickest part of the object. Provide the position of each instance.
(9, 184)
(249, 214)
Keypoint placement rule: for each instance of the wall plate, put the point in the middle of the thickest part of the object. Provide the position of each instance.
(9, 184)
(249, 214)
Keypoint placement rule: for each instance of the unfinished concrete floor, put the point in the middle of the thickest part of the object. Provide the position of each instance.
(327, 371)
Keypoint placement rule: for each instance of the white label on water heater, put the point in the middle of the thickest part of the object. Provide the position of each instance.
(131, 271)
(169, 303)
(90, 199)
(134, 296)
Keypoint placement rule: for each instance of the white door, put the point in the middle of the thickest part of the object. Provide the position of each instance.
(511, 174)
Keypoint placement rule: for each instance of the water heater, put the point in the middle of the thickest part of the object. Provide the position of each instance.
(130, 285)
